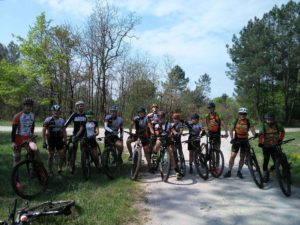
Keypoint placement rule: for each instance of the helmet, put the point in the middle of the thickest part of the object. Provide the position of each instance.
(176, 116)
(141, 109)
(211, 105)
(113, 108)
(55, 108)
(89, 114)
(270, 116)
(154, 105)
(79, 103)
(161, 114)
(195, 116)
(243, 110)
(28, 101)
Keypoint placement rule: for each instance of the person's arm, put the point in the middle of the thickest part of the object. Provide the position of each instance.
(15, 123)
(79, 132)
(131, 126)
(44, 130)
(231, 131)
(121, 131)
(32, 128)
(97, 130)
(64, 130)
(152, 131)
(281, 133)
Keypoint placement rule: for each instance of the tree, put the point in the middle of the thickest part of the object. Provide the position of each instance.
(265, 64)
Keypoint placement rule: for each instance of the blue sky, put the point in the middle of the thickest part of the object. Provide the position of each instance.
(193, 33)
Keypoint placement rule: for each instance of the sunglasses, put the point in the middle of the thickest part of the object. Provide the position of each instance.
(243, 114)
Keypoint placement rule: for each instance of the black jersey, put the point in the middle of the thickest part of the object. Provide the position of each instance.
(78, 120)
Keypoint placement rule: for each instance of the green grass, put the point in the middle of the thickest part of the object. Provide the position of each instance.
(98, 201)
(292, 150)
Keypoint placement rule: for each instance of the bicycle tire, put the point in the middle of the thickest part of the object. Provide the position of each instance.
(255, 171)
(216, 163)
(136, 163)
(164, 165)
(283, 175)
(109, 168)
(201, 163)
(85, 164)
(29, 178)
(71, 157)
(47, 208)
(179, 159)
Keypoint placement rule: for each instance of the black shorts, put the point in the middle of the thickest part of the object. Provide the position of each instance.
(90, 141)
(194, 145)
(55, 143)
(111, 140)
(240, 144)
(144, 140)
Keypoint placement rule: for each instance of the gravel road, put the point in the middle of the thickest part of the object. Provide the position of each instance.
(218, 201)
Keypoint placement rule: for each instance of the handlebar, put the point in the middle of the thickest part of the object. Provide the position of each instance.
(287, 141)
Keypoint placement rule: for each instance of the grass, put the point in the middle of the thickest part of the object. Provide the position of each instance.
(98, 201)
(292, 150)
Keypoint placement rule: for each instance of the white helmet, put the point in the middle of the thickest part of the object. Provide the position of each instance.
(79, 103)
(243, 110)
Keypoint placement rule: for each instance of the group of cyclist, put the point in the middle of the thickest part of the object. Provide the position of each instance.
(149, 128)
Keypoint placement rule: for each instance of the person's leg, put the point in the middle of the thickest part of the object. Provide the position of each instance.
(234, 151)
(267, 154)
(129, 147)
(50, 159)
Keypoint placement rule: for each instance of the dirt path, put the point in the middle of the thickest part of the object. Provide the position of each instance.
(218, 201)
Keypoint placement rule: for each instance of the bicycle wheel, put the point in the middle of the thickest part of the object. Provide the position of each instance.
(201, 163)
(283, 175)
(164, 165)
(136, 162)
(47, 208)
(182, 165)
(109, 166)
(254, 169)
(70, 157)
(216, 163)
(29, 178)
(85, 164)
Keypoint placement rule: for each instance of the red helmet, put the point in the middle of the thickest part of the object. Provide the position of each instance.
(176, 116)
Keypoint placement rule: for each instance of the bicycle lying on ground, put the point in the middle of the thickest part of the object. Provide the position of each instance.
(28, 214)
(283, 167)
(29, 177)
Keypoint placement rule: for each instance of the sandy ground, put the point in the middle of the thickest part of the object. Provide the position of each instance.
(218, 201)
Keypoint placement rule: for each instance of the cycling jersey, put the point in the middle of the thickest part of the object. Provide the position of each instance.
(241, 127)
(78, 119)
(55, 126)
(140, 125)
(163, 128)
(113, 124)
(270, 135)
(177, 127)
(22, 127)
(90, 127)
(194, 129)
(153, 119)
(213, 121)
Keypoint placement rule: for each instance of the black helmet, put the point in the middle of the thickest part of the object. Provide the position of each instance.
(195, 116)
(270, 116)
(141, 109)
(211, 105)
(28, 101)
(113, 109)
(55, 107)
(161, 114)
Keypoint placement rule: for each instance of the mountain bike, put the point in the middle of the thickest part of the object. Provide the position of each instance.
(110, 159)
(199, 157)
(29, 177)
(87, 158)
(163, 158)
(28, 214)
(252, 163)
(214, 156)
(283, 167)
(136, 157)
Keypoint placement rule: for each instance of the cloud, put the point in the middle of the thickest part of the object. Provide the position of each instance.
(75, 7)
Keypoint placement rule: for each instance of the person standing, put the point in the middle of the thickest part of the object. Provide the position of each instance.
(270, 134)
(54, 136)
(239, 139)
